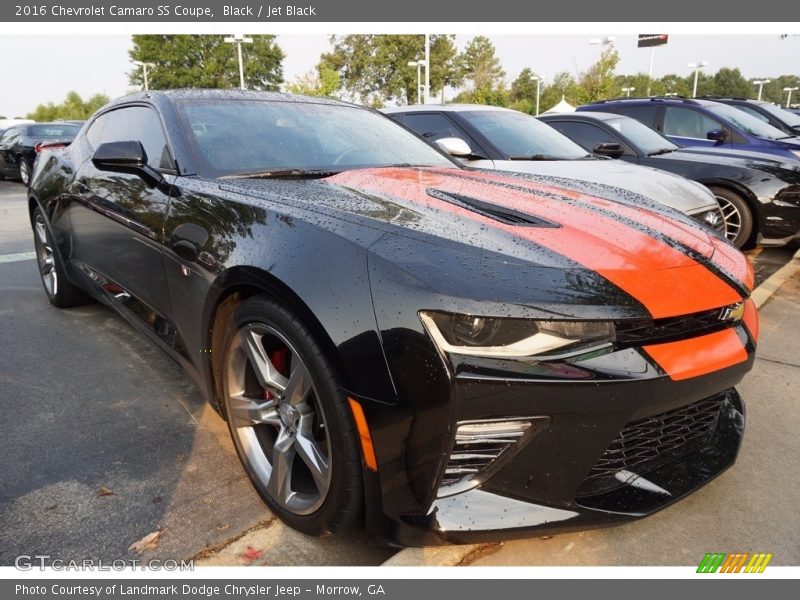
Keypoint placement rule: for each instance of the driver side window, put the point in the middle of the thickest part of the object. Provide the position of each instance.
(133, 123)
(685, 122)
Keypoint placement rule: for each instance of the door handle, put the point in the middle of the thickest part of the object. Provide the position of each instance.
(187, 239)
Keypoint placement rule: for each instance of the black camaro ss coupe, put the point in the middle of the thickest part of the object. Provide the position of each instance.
(444, 354)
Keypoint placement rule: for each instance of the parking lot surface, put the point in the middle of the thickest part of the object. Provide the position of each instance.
(88, 405)
(106, 441)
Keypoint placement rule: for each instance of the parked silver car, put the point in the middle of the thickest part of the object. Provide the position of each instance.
(491, 137)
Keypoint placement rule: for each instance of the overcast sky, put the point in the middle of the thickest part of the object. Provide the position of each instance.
(50, 66)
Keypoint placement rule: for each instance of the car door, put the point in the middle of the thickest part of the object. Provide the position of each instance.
(689, 127)
(118, 219)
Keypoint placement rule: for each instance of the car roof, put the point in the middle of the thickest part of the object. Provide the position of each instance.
(586, 115)
(224, 94)
(655, 99)
(443, 108)
(735, 99)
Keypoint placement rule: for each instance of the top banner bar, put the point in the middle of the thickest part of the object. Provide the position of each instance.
(336, 11)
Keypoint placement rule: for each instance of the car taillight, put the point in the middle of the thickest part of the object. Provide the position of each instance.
(44, 146)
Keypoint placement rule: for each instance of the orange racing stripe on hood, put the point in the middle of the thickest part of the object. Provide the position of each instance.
(663, 278)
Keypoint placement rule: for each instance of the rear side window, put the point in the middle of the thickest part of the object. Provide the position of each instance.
(133, 123)
(432, 127)
(644, 114)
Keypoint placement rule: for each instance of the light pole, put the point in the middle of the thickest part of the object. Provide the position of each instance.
(628, 91)
(789, 91)
(144, 66)
(760, 83)
(696, 66)
(239, 39)
(419, 64)
(428, 69)
(538, 91)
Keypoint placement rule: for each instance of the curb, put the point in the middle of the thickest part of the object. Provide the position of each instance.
(451, 556)
(775, 281)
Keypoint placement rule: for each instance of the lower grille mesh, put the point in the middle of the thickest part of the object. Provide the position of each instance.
(654, 441)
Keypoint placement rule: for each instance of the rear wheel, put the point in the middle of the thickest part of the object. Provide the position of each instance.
(60, 292)
(289, 420)
(24, 171)
(737, 214)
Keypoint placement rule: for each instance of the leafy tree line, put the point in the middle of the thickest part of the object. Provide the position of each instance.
(374, 70)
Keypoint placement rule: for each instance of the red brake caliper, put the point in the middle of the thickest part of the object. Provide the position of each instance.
(280, 360)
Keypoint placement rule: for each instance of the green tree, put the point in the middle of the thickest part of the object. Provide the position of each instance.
(598, 82)
(480, 65)
(676, 84)
(73, 107)
(640, 82)
(206, 61)
(374, 68)
(323, 82)
(563, 86)
(730, 82)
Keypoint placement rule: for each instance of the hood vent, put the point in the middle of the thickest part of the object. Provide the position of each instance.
(509, 216)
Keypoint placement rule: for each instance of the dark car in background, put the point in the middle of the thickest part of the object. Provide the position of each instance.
(445, 354)
(780, 118)
(492, 137)
(759, 193)
(20, 144)
(694, 122)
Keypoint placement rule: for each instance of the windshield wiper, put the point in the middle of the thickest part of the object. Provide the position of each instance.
(662, 151)
(536, 157)
(283, 173)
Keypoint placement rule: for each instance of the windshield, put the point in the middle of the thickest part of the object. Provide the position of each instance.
(787, 117)
(747, 123)
(645, 139)
(522, 137)
(238, 137)
(53, 130)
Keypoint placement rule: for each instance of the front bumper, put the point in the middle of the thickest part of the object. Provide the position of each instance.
(545, 486)
(494, 511)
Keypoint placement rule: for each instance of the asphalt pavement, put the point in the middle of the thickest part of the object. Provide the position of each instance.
(106, 441)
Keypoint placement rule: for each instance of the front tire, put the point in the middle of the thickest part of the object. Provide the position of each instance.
(289, 420)
(60, 292)
(737, 214)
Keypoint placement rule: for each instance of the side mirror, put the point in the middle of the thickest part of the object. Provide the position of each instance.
(454, 146)
(610, 149)
(126, 157)
(113, 156)
(717, 135)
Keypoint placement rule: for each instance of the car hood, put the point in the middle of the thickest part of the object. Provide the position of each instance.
(772, 163)
(665, 188)
(657, 256)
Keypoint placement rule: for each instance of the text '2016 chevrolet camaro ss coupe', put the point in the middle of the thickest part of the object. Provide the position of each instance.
(441, 353)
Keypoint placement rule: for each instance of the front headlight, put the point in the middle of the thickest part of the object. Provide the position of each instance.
(498, 337)
(712, 218)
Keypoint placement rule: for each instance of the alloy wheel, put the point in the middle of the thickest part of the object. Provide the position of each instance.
(45, 257)
(732, 217)
(277, 419)
(24, 171)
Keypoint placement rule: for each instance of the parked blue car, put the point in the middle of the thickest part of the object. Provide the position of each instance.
(695, 122)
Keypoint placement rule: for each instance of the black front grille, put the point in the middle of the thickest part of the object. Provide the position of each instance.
(635, 333)
(648, 443)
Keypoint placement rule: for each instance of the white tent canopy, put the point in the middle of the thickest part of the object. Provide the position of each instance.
(561, 107)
